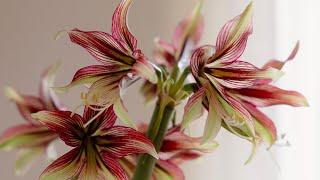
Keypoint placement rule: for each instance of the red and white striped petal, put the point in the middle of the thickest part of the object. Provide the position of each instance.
(120, 28)
(26, 136)
(188, 31)
(279, 64)
(106, 91)
(120, 141)
(144, 68)
(268, 95)
(193, 109)
(67, 125)
(199, 59)
(232, 38)
(264, 126)
(102, 46)
(113, 167)
(69, 166)
(47, 94)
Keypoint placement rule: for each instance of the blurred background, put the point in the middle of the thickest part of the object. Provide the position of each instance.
(27, 47)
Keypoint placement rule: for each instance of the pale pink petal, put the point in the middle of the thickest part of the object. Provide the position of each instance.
(172, 169)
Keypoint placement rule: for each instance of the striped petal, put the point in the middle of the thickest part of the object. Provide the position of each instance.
(25, 136)
(68, 166)
(188, 31)
(120, 28)
(144, 68)
(114, 167)
(279, 64)
(93, 73)
(268, 95)
(199, 59)
(103, 120)
(47, 95)
(193, 109)
(105, 91)
(102, 46)
(264, 126)
(232, 38)
(69, 127)
(120, 141)
(26, 104)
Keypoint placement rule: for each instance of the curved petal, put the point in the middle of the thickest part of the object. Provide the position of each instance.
(47, 95)
(113, 166)
(189, 30)
(68, 166)
(279, 64)
(25, 136)
(25, 104)
(69, 127)
(268, 95)
(199, 59)
(120, 28)
(120, 141)
(170, 168)
(26, 158)
(232, 38)
(104, 92)
(144, 68)
(102, 46)
(193, 109)
(93, 73)
(122, 113)
(164, 53)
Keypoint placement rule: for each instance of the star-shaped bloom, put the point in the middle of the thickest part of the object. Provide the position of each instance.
(119, 56)
(96, 148)
(31, 138)
(177, 148)
(232, 89)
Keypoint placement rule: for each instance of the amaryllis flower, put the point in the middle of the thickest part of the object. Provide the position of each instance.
(176, 149)
(96, 147)
(120, 60)
(185, 38)
(232, 89)
(31, 138)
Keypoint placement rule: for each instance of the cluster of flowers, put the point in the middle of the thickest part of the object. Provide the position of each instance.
(228, 88)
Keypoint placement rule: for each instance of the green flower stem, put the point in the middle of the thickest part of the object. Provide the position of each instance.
(146, 162)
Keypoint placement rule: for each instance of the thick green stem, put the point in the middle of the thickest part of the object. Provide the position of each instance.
(146, 162)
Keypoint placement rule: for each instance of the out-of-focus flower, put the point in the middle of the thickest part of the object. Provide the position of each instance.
(232, 89)
(176, 149)
(31, 138)
(185, 38)
(121, 61)
(96, 147)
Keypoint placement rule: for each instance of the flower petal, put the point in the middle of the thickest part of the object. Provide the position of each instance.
(189, 30)
(193, 109)
(113, 166)
(104, 92)
(199, 59)
(279, 64)
(47, 95)
(264, 125)
(120, 141)
(102, 46)
(68, 166)
(172, 169)
(26, 158)
(232, 38)
(93, 73)
(122, 113)
(25, 136)
(268, 95)
(69, 127)
(25, 104)
(144, 68)
(164, 53)
(120, 28)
